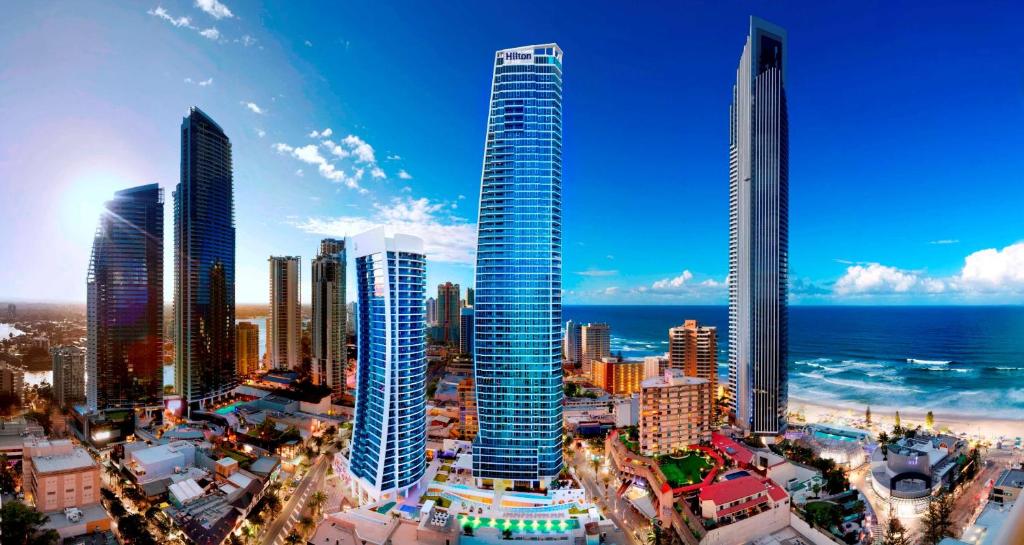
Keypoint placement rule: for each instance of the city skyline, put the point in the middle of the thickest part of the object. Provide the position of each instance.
(838, 214)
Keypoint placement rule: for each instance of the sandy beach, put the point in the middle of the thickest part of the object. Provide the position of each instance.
(883, 418)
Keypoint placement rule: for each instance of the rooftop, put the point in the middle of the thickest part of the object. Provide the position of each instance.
(77, 459)
(1012, 478)
(727, 491)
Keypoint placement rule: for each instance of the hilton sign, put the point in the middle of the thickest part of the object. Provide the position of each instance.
(518, 57)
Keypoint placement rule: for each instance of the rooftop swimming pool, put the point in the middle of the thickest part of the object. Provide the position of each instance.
(530, 526)
(228, 409)
(835, 433)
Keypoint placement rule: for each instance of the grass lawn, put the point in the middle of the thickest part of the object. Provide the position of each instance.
(633, 446)
(689, 469)
(441, 477)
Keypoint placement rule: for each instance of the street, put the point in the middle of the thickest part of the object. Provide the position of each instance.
(292, 510)
(613, 506)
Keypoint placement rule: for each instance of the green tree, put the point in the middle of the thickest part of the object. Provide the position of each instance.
(22, 525)
(293, 538)
(895, 533)
(655, 536)
(317, 501)
(306, 523)
(929, 420)
(936, 522)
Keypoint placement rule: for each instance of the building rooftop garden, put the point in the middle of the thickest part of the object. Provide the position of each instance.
(685, 469)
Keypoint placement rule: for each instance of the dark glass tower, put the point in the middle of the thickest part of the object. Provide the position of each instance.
(330, 314)
(759, 233)
(518, 299)
(204, 263)
(125, 294)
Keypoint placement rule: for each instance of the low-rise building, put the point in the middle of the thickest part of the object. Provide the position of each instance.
(617, 376)
(58, 475)
(1007, 487)
(743, 509)
(674, 412)
(161, 461)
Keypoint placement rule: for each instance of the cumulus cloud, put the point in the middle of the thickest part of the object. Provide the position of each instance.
(253, 107)
(675, 282)
(993, 270)
(162, 13)
(261, 133)
(210, 33)
(404, 175)
(310, 154)
(875, 278)
(362, 151)
(308, 43)
(326, 133)
(393, 157)
(215, 9)
(203, 83)
(445, 238)
(377, 172)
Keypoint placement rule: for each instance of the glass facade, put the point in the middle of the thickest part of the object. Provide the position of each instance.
(518, 301)
(388, 453)
(125, 291)
(330, 351)
(204, 263)
(759, 234)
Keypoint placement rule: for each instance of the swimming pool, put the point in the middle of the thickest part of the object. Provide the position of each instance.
(228, 409)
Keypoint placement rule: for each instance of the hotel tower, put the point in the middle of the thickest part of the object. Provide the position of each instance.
(330, 316)
(518, 301)
(759, 233)
(389, 436)
(204, 264)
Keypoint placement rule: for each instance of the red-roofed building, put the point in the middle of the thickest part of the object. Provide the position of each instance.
(741, 498)
(740, 454)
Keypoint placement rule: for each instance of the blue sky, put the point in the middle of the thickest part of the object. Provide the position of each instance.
(906, 145)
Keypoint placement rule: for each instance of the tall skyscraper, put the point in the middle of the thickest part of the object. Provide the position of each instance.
(595, 343)
(448, 305)
(388, 453)
(759, 233)
(247, 348)
(284, 323)
(330, 316)
(518, 300)
(466, 330)
(431, 311)
(693, 349)
(125, 300)
(572, 345)
(470, 296)
(68, 375)
(204, 264)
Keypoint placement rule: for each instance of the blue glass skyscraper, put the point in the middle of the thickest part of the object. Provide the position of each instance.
(759, 233)
(204, 263)
(518, 299)
(125, 294)
(388, 453)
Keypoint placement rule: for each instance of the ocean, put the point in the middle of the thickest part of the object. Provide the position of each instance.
(953, 360)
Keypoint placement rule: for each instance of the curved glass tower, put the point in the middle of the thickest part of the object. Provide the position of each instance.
(204, 264)
(759, 233)
(125, 296)
(389, 435)
(518, 299)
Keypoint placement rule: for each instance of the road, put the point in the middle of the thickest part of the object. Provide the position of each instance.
(292, 511)
(615, 507)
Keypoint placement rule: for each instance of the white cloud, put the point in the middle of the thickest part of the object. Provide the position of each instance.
(326, 133)
(393, 157)
(253, 107)
(206, 82)
(875, 278)
(945, 241)
(261, 133)
(671, 283)
(246, 40)
(406, 189)
(215, 9)
(310, 154)
(211, 33)
(308, 43)
(445, 238)
(597, 272)
(160, 12)
(298, 172)
(993, 270)
(404, 175)
(362, 151)
(335, 149)
(377, 173)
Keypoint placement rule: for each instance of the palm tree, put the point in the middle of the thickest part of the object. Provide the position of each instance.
(293, 538)
(317, 501)
(306, 523)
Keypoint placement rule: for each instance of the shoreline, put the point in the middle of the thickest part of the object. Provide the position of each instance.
(883, 419)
